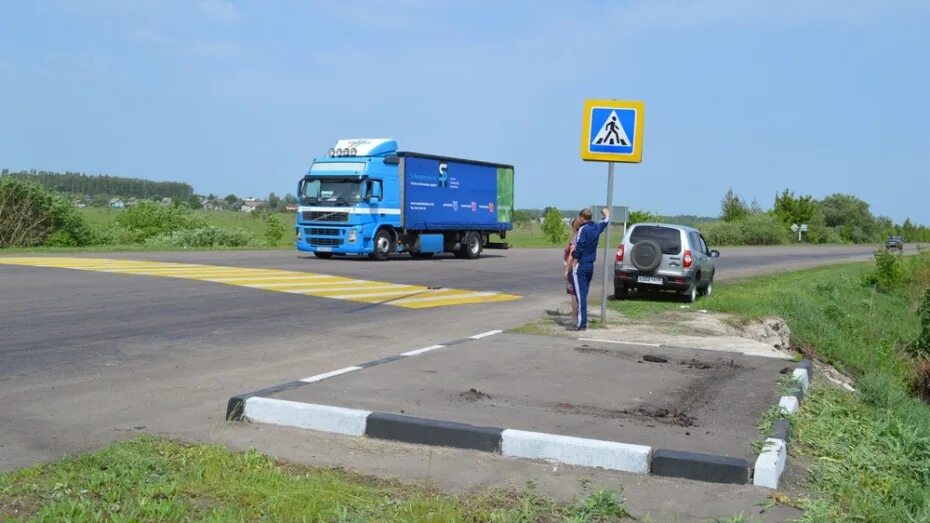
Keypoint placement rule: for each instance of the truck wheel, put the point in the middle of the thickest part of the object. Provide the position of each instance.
(323, 255)
(472, 247)
(384, 245)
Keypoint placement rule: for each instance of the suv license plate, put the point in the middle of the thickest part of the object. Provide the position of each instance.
(649, 279)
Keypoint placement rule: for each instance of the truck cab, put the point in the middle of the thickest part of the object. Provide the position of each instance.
(367, 198)
(347, 196)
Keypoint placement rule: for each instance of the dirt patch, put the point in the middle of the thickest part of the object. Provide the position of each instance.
(474, 395)
(584, 349)
(720, 363)
(716, 364)
(772, 331)
(671, 416)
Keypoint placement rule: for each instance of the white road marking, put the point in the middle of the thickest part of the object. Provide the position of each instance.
(424, 350)
(330, 374)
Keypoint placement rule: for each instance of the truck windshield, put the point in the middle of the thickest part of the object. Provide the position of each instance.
(330, 191)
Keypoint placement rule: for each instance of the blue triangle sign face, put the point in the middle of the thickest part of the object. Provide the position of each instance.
(612, 130)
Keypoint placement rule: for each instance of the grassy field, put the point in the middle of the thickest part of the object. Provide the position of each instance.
(870, 451)
(104, 217)
(154, 479)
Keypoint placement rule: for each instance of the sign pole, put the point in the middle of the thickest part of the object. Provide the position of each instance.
(608, 266)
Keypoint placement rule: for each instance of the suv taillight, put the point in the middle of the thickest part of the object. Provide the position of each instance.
(620, 253)
(688, 259)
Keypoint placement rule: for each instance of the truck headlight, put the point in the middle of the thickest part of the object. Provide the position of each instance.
(353, 235)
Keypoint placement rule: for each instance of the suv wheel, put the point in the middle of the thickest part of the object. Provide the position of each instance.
(621, 292)
(708, 289)
(690, 295)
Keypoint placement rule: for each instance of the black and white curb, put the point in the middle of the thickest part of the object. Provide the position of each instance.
(569, 450)
(771, 461)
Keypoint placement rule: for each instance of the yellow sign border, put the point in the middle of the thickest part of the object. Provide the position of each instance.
(637, 155)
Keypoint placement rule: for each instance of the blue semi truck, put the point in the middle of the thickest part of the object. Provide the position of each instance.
(367, 198)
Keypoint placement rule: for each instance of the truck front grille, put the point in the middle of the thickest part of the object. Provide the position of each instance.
(325, 216)
(318, 231)
(325, 242)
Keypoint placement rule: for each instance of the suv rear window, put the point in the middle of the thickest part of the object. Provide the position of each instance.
(668, 239)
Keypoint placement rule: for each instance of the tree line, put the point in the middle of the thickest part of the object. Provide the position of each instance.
(835, 219)
(79, 184)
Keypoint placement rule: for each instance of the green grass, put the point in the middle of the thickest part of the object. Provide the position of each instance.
(869, 451)
(828, 309)
(871, 456)
(154, 479)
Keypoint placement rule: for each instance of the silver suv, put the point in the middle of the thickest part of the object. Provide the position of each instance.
(659, 256)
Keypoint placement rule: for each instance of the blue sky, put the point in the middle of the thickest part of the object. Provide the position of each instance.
(818, 96)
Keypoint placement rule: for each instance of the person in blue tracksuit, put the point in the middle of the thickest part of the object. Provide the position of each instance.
(584, 255)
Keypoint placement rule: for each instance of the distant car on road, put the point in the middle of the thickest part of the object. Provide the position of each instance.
(659, 256)
(894, 243)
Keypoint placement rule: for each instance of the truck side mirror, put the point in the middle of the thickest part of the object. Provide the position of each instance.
(373, 199)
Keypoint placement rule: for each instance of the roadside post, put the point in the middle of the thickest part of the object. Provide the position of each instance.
(799, 229)
(611, 131)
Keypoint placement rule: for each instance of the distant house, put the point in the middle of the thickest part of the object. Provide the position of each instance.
(132, 202)
(116, 203)
(251, 204)
(291, 207)
(166, 201)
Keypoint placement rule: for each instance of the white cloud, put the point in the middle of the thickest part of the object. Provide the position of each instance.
(222, 11)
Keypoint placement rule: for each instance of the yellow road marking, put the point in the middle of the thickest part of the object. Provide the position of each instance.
(276, 280)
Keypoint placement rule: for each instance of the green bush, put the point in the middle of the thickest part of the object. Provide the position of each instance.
(31, 215)
(764, 229)
(149, 219)
(116, 234)
(210, 236)
(273, 230)
(889, 273)
(755, 229)
(553, 227)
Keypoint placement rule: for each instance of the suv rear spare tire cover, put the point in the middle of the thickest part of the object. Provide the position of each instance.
(646, 255)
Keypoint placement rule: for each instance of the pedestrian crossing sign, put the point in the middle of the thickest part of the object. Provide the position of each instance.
(612, 131)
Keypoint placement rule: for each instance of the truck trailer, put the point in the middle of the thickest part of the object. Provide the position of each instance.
(367, 198)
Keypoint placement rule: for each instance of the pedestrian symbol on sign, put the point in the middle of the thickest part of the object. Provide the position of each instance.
(611, 129)
(611, 132)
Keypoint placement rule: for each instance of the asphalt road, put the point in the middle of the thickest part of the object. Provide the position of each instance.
(87, 358)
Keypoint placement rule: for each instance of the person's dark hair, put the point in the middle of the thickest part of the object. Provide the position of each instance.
(585, 214)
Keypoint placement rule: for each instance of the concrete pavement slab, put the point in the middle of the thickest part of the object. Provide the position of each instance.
(683, 399)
